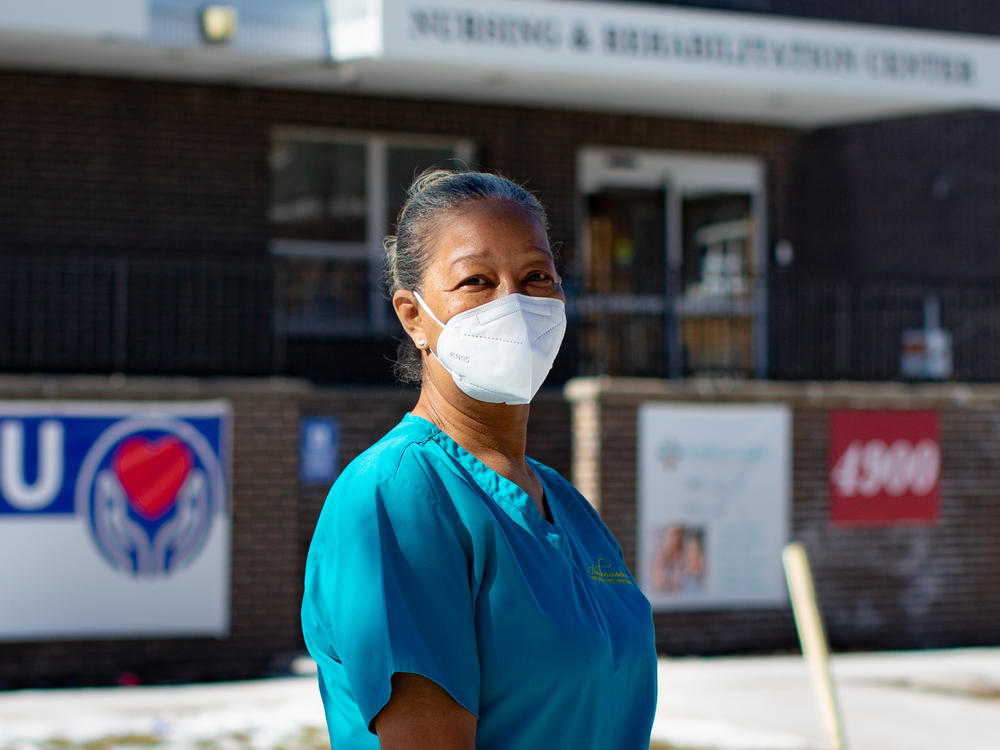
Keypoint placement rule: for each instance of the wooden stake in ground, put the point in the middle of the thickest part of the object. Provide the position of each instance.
(812, 637)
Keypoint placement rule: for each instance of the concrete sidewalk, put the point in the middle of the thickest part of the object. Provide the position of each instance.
(914, 700)
(918, 700)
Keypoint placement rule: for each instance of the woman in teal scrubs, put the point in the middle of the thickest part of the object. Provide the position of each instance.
(458, 594)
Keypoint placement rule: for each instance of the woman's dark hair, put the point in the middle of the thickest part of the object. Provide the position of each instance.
(433, 195)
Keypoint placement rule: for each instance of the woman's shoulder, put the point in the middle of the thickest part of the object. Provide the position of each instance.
(395, 460)
(388, 475)
(392, 454)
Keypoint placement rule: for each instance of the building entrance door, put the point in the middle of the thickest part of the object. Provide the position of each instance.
(671, 269)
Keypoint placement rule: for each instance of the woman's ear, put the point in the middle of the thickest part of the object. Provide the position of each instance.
(408, 312)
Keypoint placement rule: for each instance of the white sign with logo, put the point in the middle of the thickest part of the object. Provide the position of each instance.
(114, 519)
(713, 485)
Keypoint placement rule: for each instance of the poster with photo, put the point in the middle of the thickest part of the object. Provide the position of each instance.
(713, 505)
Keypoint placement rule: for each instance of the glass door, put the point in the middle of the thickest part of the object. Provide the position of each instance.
(718, 284)
(671, 271)
(624, 289)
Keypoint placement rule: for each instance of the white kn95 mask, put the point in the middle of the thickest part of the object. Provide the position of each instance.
(501, 352)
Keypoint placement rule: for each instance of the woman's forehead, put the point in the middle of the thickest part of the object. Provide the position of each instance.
(486, 209)
(487, 226)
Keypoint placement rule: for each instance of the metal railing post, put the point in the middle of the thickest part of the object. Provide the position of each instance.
(120, 355)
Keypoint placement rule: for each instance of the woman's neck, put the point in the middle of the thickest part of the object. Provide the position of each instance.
(496, 434)
(493, 433)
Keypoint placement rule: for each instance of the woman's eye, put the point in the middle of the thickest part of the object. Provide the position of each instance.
(474, 281)
(540, 276)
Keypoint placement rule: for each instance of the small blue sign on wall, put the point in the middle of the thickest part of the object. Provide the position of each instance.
(319, 449)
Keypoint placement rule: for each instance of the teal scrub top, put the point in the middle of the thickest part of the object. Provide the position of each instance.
(425, 560)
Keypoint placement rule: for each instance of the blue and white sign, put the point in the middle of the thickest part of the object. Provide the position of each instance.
(118, 515)
(319, 446)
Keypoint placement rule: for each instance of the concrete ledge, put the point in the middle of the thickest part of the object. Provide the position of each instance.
(841, 393)
(55, 386)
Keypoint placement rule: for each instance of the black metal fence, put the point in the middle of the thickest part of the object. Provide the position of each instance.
(854, 331)
(231, 317)
(134, 315)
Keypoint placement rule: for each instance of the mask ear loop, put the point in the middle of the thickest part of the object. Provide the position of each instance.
(435, 319)
(426, 308)
(423, 342)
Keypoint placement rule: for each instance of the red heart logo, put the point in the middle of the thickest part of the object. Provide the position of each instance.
(151, 473)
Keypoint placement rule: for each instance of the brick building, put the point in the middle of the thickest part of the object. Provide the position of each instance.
(738, 190)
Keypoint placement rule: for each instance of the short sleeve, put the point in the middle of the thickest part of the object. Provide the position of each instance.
(388, 587)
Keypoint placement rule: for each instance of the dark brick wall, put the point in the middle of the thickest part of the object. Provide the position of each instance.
(158, 171)
(913, 586)
(154, 169)
(101, 165)
(273, 519)
(914, 198)
(887, 587)
(120, 165)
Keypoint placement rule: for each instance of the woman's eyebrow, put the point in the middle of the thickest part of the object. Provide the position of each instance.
(480, 258)
(470, 258)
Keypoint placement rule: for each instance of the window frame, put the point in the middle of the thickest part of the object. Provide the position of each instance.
(377, 146)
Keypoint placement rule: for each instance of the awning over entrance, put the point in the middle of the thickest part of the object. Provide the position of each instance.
(660, 59)
(618, 57)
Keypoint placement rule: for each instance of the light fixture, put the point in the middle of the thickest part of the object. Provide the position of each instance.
(218, 23)
(784, 253)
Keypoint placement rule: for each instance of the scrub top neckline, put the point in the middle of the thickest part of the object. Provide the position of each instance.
(499, 487)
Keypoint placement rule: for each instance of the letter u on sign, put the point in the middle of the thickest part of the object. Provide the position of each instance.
(13, 484)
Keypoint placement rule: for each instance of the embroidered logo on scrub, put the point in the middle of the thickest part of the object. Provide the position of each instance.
(607, 572)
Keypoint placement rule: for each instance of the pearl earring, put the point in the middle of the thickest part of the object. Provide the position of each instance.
(422, 343)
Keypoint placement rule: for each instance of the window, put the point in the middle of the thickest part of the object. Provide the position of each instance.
(334, 197)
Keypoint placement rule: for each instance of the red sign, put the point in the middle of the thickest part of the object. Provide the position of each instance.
(885, 466)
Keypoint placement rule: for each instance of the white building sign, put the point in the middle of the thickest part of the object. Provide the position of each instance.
(114, 519)
(713, 503)
(591, 34)
(662, 58)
